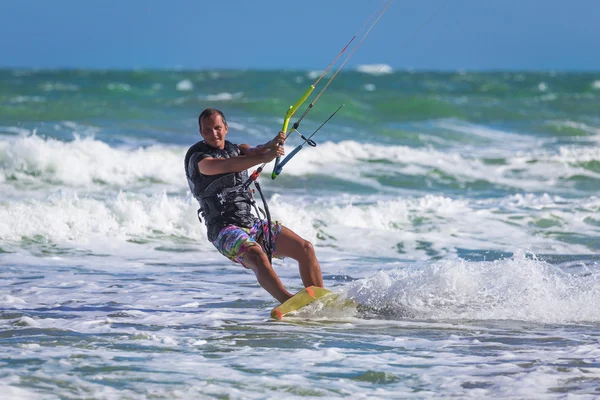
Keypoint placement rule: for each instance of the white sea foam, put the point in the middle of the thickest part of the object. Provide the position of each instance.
(139, 308)
(516, 140)
(577, 154)
(224, 96)
(89, 163)
(375, 69)
(369, 87)
(15, 130)
(7, 300)
(519, 288)
(84, 162)
(12, 391)
(549, 97)
(59, 87)
(419, 227)
(349, 160)
(119, 87)
(67, 218)
(404, 227)
(314, 74)
(415, 227)
(596, 84)
(27, 99)
(185, 85)
(577, 125)
(542, 87)
(127, 321)
(78, 129)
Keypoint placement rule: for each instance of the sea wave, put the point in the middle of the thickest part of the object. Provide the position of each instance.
(89, 163)
(413, 227)
(73, 221)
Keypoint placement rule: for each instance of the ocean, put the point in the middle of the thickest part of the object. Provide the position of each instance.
(461, 209)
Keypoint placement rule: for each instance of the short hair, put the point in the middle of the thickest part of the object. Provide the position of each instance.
(209, 112)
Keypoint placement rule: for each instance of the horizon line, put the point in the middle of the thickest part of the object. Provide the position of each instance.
(272, 69)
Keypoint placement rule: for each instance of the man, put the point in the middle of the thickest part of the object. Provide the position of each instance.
(216, 170)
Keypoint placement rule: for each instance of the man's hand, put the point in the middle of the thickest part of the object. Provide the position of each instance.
(263, 149)
(276, 141)
(272, 152)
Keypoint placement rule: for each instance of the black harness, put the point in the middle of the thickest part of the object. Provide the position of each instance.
(225, 198)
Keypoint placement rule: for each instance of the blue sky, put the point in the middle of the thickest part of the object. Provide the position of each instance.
(307, 34)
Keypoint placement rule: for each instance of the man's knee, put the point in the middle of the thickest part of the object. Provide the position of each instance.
(255, 258)
(307, 248)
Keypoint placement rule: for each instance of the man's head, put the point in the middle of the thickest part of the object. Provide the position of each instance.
(213, 127)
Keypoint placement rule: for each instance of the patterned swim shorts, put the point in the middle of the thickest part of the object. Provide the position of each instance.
(233, 241)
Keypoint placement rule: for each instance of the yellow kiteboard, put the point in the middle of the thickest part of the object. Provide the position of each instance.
(299, 300)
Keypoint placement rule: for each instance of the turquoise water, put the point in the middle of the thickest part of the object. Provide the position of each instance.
(460, 208)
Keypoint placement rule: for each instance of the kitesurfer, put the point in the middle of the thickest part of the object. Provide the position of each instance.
(216, 171)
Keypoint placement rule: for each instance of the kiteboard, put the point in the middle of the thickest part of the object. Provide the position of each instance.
(329, 303)
(299, 300)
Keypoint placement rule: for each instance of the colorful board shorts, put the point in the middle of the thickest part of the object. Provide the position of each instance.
(234, 241)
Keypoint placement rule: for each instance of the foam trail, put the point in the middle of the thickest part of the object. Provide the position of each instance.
(519, 288)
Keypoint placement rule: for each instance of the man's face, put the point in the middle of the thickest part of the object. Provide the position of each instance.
(214, 131)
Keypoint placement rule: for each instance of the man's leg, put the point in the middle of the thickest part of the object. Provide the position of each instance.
(289, 244)
(236, 244)
(256, 259)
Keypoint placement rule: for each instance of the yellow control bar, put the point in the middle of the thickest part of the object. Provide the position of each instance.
(286, 121)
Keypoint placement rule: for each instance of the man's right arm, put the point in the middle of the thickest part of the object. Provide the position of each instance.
(215, 166)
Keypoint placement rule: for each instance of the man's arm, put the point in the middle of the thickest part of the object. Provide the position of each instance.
(215, 166)
(247, 150)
